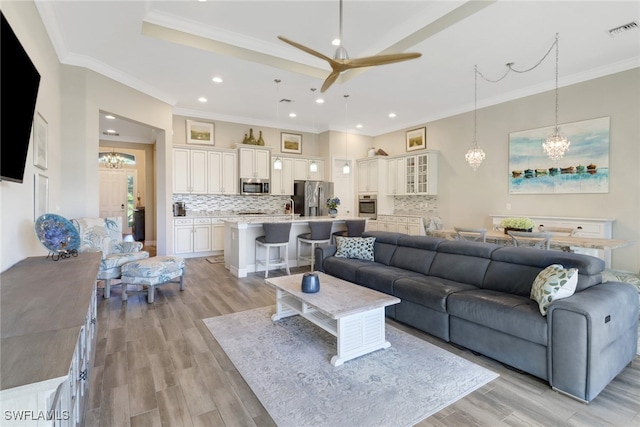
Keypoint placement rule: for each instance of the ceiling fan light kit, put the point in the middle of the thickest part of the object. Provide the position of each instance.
(341, 61)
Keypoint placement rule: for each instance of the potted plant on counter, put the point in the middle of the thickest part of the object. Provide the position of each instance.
(517, 224)
(332, 205)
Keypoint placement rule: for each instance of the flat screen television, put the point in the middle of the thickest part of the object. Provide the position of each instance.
(19, 83)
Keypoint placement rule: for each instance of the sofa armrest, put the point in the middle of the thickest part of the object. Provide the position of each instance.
(125, 247)
(592, 337)
(323, 252)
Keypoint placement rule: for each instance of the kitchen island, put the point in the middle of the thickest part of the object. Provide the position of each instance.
(240, 236)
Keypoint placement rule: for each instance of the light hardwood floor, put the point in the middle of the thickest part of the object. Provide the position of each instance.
(158, 365)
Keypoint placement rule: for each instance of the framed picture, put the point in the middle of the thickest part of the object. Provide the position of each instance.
(41, 195)
(416, 139)
(291, 143)
(40, 142)
(583, 169)
(200, 133)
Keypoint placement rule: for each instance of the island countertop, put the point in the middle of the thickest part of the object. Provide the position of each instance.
(240, 235)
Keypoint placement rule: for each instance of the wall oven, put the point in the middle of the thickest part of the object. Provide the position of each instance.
(250, 186)
(368, 206)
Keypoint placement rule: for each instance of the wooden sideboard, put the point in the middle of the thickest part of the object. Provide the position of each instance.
(47, 339)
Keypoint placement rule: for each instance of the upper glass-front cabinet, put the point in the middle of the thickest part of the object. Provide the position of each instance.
(422, 174)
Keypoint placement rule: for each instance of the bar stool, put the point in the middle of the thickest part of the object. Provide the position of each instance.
(355, 228)
(320, 233)
(276, 236)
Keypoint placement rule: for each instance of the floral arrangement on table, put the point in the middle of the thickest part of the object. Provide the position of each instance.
(333, 202)
(521, 224)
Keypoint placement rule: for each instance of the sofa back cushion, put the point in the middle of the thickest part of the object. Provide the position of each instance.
(462, 261)
(513, 269)
(416, 253)
(385, 246)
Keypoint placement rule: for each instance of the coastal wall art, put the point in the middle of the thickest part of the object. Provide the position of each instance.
(583, 169)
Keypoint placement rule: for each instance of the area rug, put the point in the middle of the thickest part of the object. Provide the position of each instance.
(286, 364)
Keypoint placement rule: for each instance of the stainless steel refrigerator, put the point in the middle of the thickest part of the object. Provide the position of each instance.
(310, 197)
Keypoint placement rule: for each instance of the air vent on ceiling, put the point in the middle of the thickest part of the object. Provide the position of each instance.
(285, 100)
(622, 28)
(111, 133)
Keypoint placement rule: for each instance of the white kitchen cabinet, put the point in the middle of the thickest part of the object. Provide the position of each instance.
(254, 163)
(302, 170)
(406, 224)
(189, 171)
(422, 173)
(217, 235)
(370, 174)
(191, 235)
(222, 167)
(282, 179)
(396, 176)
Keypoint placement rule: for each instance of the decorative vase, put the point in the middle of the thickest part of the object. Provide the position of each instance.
(333, 212)
(310, 283)
(252, 139)
(260, 140)
(506, 229)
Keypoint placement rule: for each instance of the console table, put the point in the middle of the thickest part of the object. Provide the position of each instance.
(47, 336)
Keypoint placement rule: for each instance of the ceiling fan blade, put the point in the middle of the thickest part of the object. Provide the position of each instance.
(304, 48)
(370, 61)
(330, 80)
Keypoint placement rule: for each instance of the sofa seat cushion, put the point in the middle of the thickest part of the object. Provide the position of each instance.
(344, 268)
(511, 314)
(381, 277)
(428, 291)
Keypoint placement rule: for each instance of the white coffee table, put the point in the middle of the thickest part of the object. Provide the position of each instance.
(352, 313)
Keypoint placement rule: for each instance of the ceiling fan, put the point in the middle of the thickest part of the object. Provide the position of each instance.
(341, 62)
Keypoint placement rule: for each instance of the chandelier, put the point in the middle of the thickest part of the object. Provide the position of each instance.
(475, 155)
(556, 145)
(113, 160)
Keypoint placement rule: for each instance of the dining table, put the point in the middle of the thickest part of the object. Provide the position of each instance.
(557, 241)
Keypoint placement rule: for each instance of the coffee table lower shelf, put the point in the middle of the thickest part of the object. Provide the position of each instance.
(357, 334)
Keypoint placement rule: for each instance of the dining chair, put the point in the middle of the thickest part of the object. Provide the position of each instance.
(471, 234)
(564, 231)
(531, 239)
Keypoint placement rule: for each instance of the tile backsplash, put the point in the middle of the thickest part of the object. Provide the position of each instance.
(425, 206)
(208, 203)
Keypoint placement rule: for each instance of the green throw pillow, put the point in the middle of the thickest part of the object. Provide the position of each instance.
(355, 247)
(552, 283)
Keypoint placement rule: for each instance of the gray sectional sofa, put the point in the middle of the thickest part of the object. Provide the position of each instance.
(476, 295)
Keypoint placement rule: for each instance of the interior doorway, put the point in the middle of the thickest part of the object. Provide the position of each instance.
(343, 186)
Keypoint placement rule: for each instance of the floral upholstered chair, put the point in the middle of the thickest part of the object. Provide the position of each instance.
(105, 235)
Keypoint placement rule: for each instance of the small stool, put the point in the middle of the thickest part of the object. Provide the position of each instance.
(276, 236)
(320, 233)
(152, 272)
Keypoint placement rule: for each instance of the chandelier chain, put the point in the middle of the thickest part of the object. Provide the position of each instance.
(510, 65)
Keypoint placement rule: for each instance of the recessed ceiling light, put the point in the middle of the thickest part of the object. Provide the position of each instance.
(111, 131)
(110, 117)
(292, 115)
(392, 115)
(359, 126)
(202, 99)
(335, 42)
(217, 79)
(319, 101)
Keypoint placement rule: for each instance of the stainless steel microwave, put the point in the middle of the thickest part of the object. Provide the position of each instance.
(368, 206)
(254, 187)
